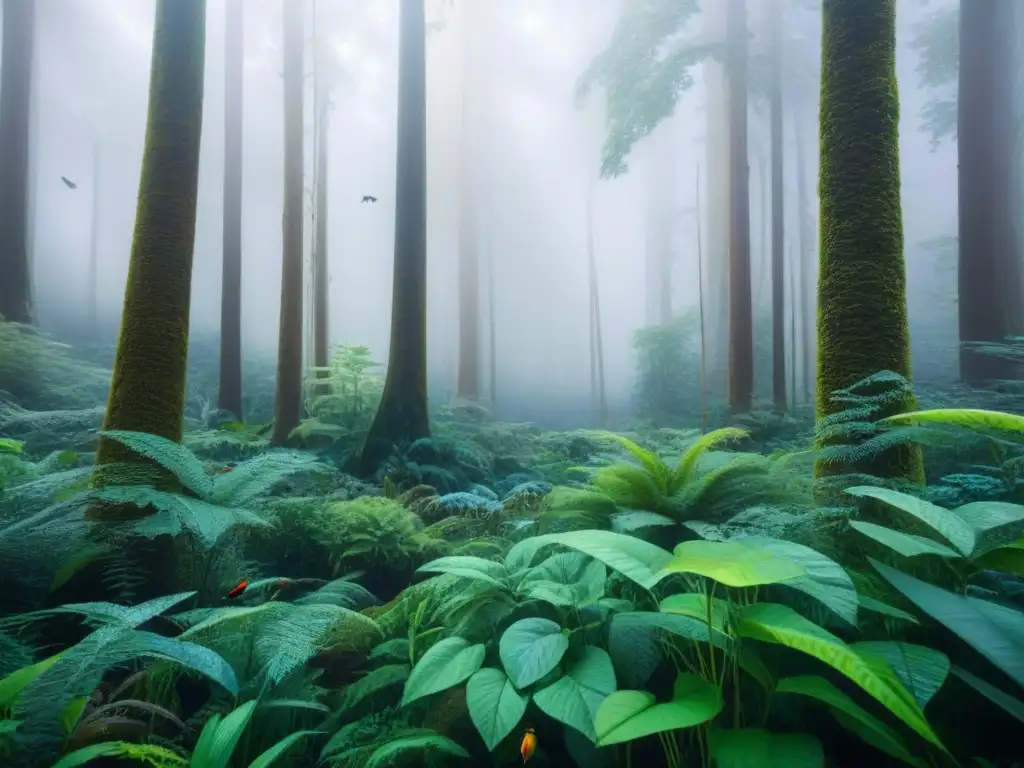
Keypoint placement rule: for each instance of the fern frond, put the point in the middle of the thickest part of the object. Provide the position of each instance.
(688, 462)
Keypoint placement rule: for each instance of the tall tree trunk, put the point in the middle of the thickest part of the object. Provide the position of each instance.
(778, 219)
(402, 415)
(147, 391)
(288, 399)
(230, 395)
(597, 381)
(701, 313)
(15, 140)
(862, 285)
(802, 298)
(989, 274)
(492, 328)
(92, 287)
(321, 270)
(468, 383)
(741, 326)
(716, 198)
(658, 225)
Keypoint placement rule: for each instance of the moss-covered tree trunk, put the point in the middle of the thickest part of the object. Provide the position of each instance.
(230, 395)
(862, 303)
(778, 217)
(147, 392)
(989, 261)
(288, 397)
(15, 139)
(741, 322)
(402, 415)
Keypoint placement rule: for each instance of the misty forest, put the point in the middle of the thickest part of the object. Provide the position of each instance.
(596, 383)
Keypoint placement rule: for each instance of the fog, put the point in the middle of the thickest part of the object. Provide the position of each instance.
(534, 154)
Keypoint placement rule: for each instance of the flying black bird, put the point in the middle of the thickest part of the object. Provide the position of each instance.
(368, 199)
(71, 184)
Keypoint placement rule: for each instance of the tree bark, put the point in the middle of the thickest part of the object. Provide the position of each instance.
(778, 219)
(862, 325)
(288, 399)
(230, 395)
(402, 416)
(741, 327)
(989, 280)
(468, 384)
(802, 297)
(147, 391)
(15, 142)
(321, 271)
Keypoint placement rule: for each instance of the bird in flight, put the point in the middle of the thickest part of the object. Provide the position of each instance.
(70, 184)
(368, 199)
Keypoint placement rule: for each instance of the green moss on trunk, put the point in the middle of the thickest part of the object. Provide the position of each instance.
(862, 316)
(147, 392)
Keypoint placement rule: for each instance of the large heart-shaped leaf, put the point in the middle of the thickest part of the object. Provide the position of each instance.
(530, 649)
(494, 705)
(630, 715)
(733, 563)
(637, 560)
(574, 698)
(823, 579)
(448, 662)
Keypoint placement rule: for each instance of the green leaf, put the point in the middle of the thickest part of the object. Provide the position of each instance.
(495, 707)
(469, 567)
(921, 670)
(267, 758)
(782, 625)
(850, 715)
(1009, 704)
(947, 524)
(630, 715)
(877, 606)
(755, 748)
(530, 649)
(634, 558)
(219, 737)
(172, 456)
(823, 579)
(447, 663)
(575, 698)
(12, 685)
(970, 418)
(147, 754)
(387, 754)
(564, 579)
(1008, 559)
(732, 563)
(993, 630)
(695, 605)
(905, 544)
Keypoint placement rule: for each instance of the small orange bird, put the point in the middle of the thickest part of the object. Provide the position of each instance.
(528, 745)
(239, 588)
